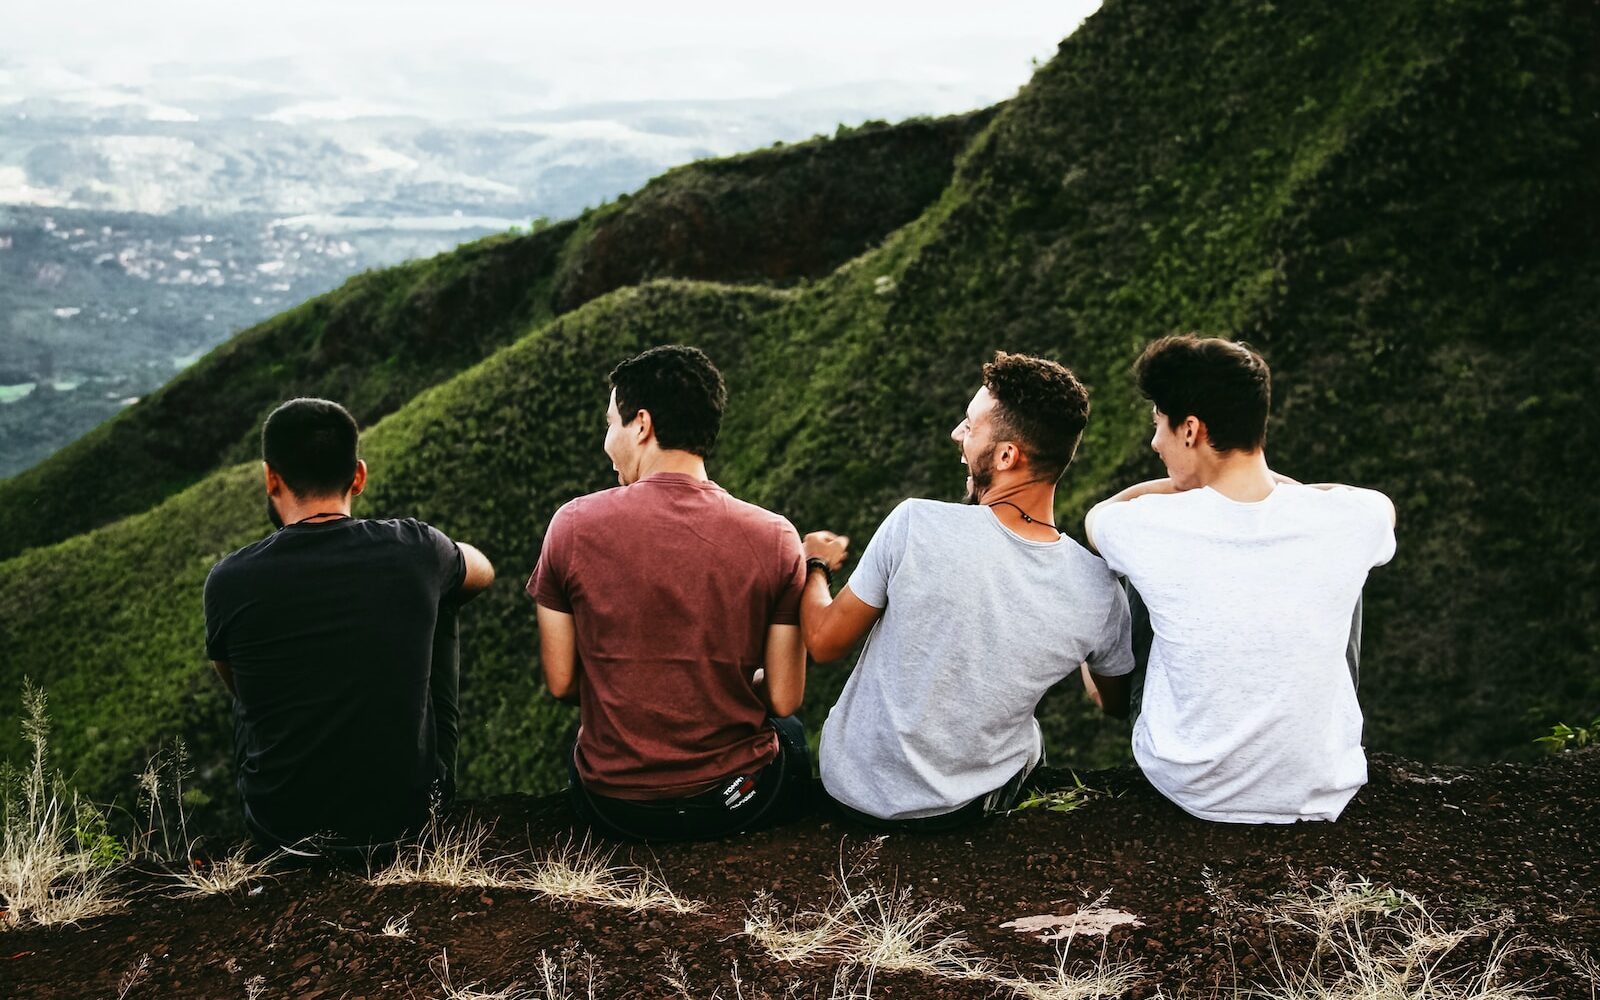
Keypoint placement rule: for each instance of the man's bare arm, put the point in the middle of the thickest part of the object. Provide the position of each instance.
(1111, 695)
(480, 572)
(225, 672)
(781, 681)
(558, 653)
(831, 626)
(1136, 490)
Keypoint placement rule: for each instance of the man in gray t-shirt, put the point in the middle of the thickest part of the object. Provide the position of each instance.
(974, 611)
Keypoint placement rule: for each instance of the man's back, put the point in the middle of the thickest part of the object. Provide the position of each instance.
(978, 623)
(672, 584)
(1249, 711)
(328, 631)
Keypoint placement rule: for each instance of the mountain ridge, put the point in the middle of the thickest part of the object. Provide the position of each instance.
(1292, 176)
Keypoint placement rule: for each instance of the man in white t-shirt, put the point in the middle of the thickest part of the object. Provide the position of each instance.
(1249, 711)
(971, 612)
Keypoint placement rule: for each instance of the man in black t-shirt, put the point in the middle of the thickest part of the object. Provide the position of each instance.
(336, 636)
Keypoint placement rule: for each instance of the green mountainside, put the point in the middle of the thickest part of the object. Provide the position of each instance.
(778, 215)
(1395, 202)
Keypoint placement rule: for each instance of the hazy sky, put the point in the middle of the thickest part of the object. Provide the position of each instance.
(550, 55)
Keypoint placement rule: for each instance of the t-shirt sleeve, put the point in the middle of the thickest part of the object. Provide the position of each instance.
(548, 584)
(1112, 655)
(216, 642)
(452, 565)
(870, 581)
(1113, 526)
(791, 581)
(1378, 512)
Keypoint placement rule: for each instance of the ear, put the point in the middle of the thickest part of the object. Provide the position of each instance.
(359, 483)
(1007, 457)
(1193, 431)
(643, 427)
(274, 481)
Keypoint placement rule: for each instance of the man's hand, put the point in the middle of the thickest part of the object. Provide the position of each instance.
(830, 548)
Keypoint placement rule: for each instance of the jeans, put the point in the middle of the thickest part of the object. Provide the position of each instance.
(779, 794)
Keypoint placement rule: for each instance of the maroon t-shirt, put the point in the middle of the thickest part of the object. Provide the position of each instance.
(671, 583)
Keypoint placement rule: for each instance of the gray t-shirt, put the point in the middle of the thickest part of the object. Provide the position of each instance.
(978, 623)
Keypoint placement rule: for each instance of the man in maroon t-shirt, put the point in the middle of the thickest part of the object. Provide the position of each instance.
(670, 610)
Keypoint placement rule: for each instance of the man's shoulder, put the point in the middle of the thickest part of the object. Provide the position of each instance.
(1347, 501)
(591, 506)
(239, 561)
(757, 515)
(920, 512)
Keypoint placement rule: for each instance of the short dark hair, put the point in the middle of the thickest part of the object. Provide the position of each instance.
(1041, 406)
(311, 445)
(683, 391)
(1224, 384)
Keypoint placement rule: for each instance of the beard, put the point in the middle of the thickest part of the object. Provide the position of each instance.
(272, 514)
(980, 472)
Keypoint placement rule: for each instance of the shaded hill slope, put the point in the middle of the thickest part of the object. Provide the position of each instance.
(778, 215)
(1394, 201)
(1500, 853)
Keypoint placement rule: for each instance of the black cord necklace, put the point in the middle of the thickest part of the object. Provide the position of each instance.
(337, 515)
(1026, 517)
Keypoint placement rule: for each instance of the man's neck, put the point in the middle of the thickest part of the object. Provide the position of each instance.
(1033, 498)
(683, 462)
(1240, 475)
(293, 509)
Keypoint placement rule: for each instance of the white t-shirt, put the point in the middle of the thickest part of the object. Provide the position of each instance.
(978, 623)
(1249, 712)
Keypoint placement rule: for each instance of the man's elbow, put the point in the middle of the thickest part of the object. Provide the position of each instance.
(783, 705)
(562, 689)
(480, 571)
(823, 650)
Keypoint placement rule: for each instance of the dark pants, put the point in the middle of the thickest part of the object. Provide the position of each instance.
(1001, 800)
(1144, 635)
(775, 794)
(444, 689)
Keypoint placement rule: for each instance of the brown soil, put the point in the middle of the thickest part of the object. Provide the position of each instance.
(1470, 843)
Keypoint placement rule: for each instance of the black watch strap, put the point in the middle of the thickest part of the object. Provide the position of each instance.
(815, 563)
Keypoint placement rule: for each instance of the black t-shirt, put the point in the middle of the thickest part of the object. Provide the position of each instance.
(328, 629)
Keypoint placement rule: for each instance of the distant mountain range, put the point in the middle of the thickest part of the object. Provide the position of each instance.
(142, 225)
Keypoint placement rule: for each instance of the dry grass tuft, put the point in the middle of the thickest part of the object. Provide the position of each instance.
(232, 872)
(1584, 963)
(574, 872)
(557, 980)
(579, 873)
(53, 869)
(867, 926)
(1375, 942)
(397, 927)
(451, 856)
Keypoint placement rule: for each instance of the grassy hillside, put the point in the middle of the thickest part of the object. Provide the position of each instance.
(777, 215)
(1394, 201)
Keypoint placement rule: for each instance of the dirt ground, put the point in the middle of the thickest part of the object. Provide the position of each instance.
(1507, 848)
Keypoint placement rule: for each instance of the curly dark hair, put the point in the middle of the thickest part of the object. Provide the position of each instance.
(311, 444)
(1223, 383)
(683, 391)
(1042, 406)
